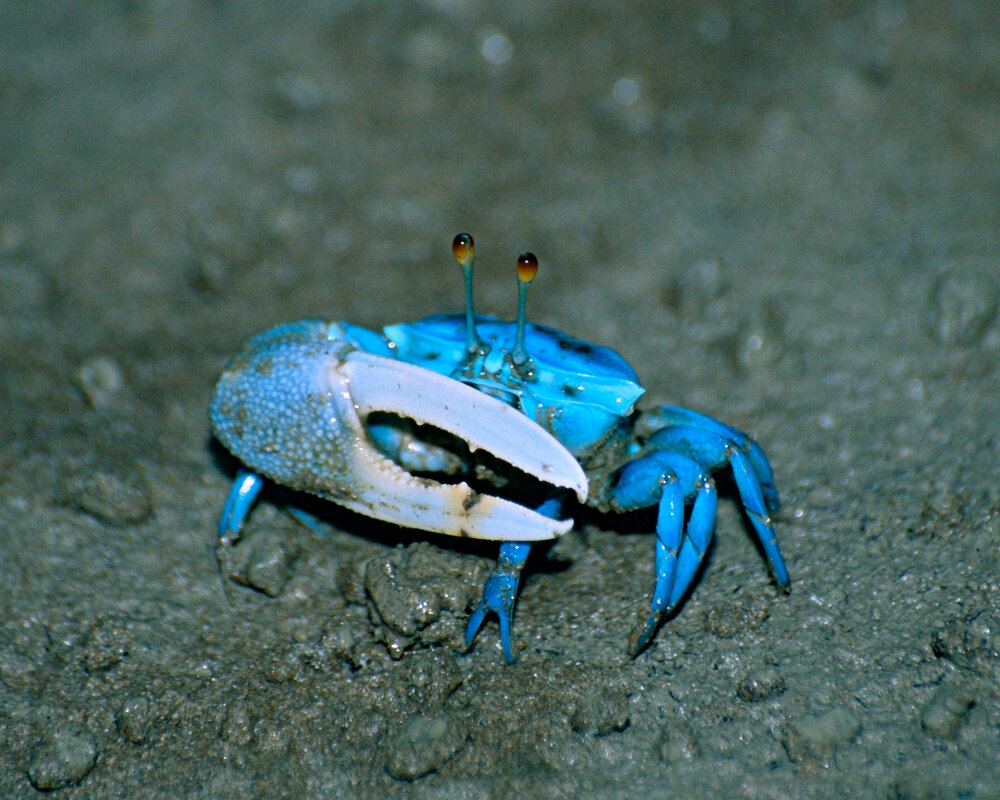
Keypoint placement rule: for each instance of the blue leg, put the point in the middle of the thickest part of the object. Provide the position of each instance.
(306, 520)
(754, 501)
(673, 415)
(500, 594)
(700, 527)
(500, 591)
(715, 451)
(241, 498)
(667, 479)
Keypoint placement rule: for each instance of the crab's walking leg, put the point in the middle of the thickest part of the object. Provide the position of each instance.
(500, 594)
(665, 416)
(241, 498)
(500, 591)
(667, 479)
(714, 451)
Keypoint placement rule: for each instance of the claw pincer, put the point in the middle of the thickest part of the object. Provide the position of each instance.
(439, 425)
(293, 404)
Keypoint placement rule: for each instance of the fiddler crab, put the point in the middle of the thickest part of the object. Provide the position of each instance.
(469, 425)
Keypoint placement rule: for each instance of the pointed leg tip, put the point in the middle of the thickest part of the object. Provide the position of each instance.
(636, 644)
(500, 595)
(475, 623)
(642, 634)
(506, 625)
(781, 577)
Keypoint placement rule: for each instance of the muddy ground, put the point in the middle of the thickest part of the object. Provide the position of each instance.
(785, 216)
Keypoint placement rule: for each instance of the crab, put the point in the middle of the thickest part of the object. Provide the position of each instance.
(468, 425)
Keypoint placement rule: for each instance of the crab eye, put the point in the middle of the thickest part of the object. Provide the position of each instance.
(463, 246)
(527, 267)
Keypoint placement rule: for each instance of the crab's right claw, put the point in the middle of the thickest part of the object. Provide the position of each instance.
(293, 405)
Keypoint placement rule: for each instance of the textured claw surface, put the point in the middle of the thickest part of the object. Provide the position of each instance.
(292, 406)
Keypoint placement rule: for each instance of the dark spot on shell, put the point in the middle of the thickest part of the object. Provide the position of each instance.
(570, 391)
(576, 346)
(317, 399)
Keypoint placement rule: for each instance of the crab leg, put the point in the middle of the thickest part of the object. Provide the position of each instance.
(665, 416)
(714, 451)
(500, 591)
(668, 479)
(241, 497)
(500, 595)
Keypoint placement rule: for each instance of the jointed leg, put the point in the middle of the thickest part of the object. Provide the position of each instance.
(500, 591)
(667, 416)
(666, 479)
(241, 498)
(500, 594)
(714, 451)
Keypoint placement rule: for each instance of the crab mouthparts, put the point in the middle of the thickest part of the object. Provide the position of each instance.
(387, 491)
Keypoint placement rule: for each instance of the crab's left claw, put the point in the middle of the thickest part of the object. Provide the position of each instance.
(293, 405)
(483, 423)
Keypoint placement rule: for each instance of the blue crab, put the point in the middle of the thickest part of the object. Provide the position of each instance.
(469, 425)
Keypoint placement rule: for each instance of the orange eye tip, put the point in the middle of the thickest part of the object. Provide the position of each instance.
(463, 246)
(527, 267)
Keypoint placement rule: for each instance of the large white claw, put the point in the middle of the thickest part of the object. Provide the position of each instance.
(483, 422)
(384, 490)
(293, 404)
